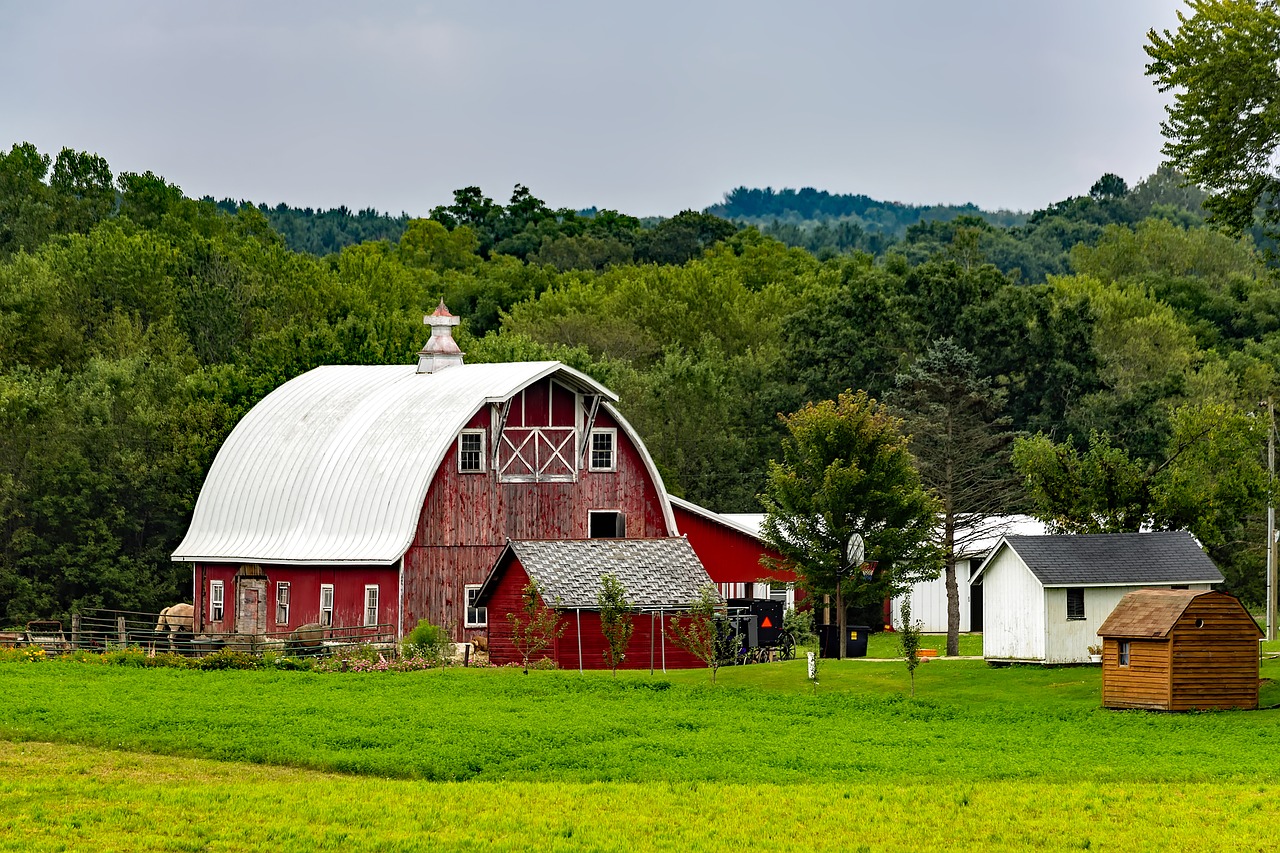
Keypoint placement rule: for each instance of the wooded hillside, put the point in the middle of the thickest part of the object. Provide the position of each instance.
(1129, 343)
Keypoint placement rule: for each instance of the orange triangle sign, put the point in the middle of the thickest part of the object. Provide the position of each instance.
(766, 622)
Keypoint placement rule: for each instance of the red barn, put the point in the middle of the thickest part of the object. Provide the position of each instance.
(661, 578)
(363, 495)
(731, 549)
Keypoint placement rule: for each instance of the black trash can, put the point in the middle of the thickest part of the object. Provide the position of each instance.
(855, 640)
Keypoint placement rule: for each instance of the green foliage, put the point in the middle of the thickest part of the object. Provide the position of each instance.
(909, 641)
(428, 641)
(535, 626)
(615, 620)
(1223, 128)
(697, 631)
(846, 469)
(799, 623)
(224, 659)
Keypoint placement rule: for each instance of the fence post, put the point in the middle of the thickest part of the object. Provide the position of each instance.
(75, 630)
(120, 629)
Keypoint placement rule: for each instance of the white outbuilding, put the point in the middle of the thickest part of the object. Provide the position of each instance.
(1045, 597)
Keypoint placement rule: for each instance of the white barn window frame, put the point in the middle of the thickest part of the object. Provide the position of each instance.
(326, 605)
(603, 453)
(217, 601)
(1075, 603)
(476, 616)
(370, 605)
(471, 452)
(282, 602)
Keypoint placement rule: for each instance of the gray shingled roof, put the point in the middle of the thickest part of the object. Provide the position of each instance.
(1115, 558)
(655, 572)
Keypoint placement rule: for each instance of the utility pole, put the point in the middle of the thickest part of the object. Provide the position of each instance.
(1271, 517)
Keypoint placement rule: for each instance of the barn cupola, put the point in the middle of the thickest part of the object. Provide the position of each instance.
(441, 350)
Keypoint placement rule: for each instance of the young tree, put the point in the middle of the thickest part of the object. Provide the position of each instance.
(846, 469)
(699, 637)
(961, 443)
(536, 626)
(909, 641)
(615, 620)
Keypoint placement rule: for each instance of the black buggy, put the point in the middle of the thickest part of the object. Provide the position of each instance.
(751, 632)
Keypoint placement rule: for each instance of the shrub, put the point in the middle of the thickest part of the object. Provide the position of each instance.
(799, 623)
(21, 654)
(132, 656)
(167, 659)
(427, 641)
(227, 659)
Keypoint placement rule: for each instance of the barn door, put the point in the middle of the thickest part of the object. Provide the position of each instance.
(251, 606)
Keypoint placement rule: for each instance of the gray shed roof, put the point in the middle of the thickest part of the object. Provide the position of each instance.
(655, 572)
(1114, 559)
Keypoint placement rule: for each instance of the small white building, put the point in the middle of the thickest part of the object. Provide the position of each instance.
(1045, 597)
(973, 543)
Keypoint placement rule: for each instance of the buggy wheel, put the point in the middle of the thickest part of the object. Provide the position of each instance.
(786, 646)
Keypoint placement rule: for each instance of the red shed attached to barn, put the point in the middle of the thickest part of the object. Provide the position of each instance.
(732, 551)
(662, 577)
(381, 495)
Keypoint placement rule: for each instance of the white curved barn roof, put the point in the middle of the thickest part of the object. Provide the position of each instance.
(333, 466)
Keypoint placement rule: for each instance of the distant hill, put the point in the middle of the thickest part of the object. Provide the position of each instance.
(808, 205)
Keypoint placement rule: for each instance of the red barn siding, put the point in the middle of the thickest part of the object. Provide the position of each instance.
(729, 555)
(648, 648)
(304, 594)
(466, 519)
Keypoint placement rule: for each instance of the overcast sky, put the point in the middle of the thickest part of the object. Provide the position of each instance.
(648, 108)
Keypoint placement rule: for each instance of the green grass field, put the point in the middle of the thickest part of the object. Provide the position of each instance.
(103, 758)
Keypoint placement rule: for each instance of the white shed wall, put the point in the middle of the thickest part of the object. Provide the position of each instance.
(1068, 640)
(1013, 615)
(929, 602)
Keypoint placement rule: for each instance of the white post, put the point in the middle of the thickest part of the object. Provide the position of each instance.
(579, 612)
(1271, 522)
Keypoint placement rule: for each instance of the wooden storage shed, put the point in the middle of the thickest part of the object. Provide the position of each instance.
(662, 577)
(1179, 650)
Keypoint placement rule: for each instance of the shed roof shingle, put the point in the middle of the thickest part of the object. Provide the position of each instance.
(1115, 558)
(654, 572)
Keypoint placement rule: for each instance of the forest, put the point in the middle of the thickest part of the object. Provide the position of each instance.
(1110, 352)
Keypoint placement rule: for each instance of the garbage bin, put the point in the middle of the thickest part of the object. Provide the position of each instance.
(855, 640)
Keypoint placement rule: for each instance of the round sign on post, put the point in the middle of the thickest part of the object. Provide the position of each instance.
(855, 551)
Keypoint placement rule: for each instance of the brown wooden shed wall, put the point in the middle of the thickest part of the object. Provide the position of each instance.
(1144, 683)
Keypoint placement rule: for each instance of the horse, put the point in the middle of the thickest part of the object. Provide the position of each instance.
(179, 617)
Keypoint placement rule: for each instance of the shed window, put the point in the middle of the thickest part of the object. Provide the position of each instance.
(1075, 603)
(603, 447)
(607, 525)
(326, 604)
(1122, 655)
(471, 451)
(216, 611)
(370, 606)
(477, 617)
(282, 603)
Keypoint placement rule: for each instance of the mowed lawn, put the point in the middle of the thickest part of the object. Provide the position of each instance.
(106, 758)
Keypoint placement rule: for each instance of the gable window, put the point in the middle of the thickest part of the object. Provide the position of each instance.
(326, 604)
(1123, 653)
(477, 617)
(216, 611)
(1075, 603)
(370, 605)
(282, 603)
(604, 449)
(606, 524)
(471, 451)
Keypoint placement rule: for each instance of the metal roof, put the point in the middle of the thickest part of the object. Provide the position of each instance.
(654, 572)
(333, 466)
(1111, 559)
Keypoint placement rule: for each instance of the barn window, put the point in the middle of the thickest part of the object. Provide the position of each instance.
(370, 605)
(477, 617)
(1122, 656)
(326, 604)
(606, 524)
(603, 445)
(282, 603)
(215, 601)
(1075, 603)
(471, 451)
